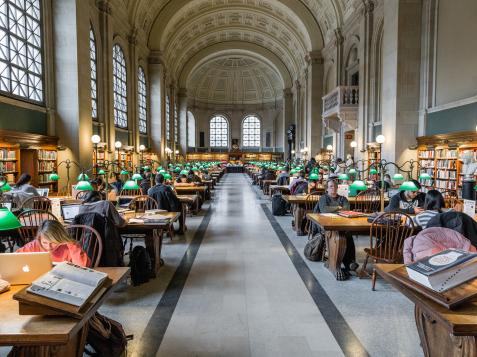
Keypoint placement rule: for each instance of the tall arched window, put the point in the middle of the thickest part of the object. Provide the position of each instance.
(176, 120)
(190, 130)
(219, 132)
(142, 101)
(251, 131)
(94, 75)
(120, 92)
(21, 68)
(168, 118)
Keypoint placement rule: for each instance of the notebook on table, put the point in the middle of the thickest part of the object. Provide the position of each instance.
(351, 214)
(23, 268)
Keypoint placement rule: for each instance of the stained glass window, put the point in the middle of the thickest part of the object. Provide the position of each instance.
(21, 62)
(142, 101)
(219, 132)
(120, 88)
(94, 75)
(168, 117)
(251, 132)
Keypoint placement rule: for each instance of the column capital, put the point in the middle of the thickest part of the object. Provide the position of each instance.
(156, 57)
(287, 92)
(104, 6)
(314, 57)
(132, 37)
(182, 92)
(339, 38)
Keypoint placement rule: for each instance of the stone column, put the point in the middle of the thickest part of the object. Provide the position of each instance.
(314, 103)
(172, 104)
(158, 99)
(182, 95)
(401, 73)
(49, 68)
(287, 118)
(73, 120)
(298, 129)
(133, 129)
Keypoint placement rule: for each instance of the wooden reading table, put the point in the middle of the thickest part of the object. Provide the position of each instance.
(442, 332)
(191, 190)
(49, 335)
(299, 207)
(337, 227)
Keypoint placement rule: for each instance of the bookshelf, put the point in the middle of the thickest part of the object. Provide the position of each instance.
(374, 154)
(9, 161)
(125, 159)
(46, 163)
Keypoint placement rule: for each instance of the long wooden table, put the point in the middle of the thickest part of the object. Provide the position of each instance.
(442, 332)
(336, 228)
(190, 190)
(153, 234)
(49, 335)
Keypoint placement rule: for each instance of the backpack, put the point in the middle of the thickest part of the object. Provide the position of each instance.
(315, 247)
(141, 265)
(279, 205)
(106, 337)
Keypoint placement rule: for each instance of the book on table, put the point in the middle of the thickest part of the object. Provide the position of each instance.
(444, 270)
(351, 214)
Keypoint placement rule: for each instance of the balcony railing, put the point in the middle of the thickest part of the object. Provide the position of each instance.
(340, 99)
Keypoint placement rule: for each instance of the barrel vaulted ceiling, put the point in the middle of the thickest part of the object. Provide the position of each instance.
(272, 38)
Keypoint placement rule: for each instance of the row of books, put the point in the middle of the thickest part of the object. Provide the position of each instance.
(447, 153)
(6, 166)
(46, 165)
(47, 155)
(446, 184)
(6, 154)
(44, 178)
(446, 175)
(446, 164)
(426, 163)
(426, 154)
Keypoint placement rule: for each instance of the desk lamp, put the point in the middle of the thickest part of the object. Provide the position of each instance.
(8, 220)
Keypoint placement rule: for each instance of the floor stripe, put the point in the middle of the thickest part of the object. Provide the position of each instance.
(344, 335)
(156, 328)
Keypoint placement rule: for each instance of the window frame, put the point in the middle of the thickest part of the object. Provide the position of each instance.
(210, 131)
(96, 100)
(125, 89)
(249, 116)
(168, 118)
(139, 94)
(42, 76)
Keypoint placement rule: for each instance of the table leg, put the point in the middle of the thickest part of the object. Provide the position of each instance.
(437, 341)
(154, 247)
(336, 243)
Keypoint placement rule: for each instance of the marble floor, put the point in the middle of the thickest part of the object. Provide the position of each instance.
(237, 284)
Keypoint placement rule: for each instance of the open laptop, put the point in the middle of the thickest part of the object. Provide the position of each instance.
(123, 202)
(43, 191)
(23, 268)
(69, 212)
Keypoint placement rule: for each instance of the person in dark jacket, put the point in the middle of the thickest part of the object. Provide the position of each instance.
(94, 203)
(457, 221)
(166, 198)
(410, 202)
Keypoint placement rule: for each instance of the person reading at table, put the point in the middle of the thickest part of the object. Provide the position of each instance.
(94, 203)
(434, 204)
(53, 238)
(408, 201)
(166, 199)
(194, 177)
(331, 202)
(299, 185)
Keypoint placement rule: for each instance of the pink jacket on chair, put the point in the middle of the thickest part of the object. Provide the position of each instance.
(434, 240)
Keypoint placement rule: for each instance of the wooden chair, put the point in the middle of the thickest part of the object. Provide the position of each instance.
(451, 197)
(143, 203)
(81, 195)
(30, 221)
(130, 192)
(387, 234)
(368, 201)
(311, 201)
(38, 203)
(90, 241)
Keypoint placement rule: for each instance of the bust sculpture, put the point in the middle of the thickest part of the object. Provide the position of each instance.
(469, 165)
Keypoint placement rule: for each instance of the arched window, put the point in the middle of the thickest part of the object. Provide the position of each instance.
(190, 130)
(176, 120)
(21, 68)
(142, 101)
(168, 118)
(94, 75)
(120, 92)
(219, 132)
(251, 131)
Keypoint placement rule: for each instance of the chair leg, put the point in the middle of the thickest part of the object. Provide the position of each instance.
(373, 280)
(363, 271)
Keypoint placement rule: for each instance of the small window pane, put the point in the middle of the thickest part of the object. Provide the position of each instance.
(219, 132)
(251, 132)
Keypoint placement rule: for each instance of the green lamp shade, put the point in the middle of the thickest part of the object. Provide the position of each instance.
(475, 188)
(8, 220)
(101, 172)
(146, 168)
(352, 171)
(314, 177)
(184, 172)
(343, 177)
(84, 186)
(177, 170)
(82, 177)
(5, 187)
(424, 176)
(408, 186)
(359, 185)
(137, 177)
(373, 172)
(124, 172)
(398, 177)
(162, 171)
(131, 185)
(54, 177)
(167, 176)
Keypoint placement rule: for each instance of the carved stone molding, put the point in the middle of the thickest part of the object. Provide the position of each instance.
(104, 6)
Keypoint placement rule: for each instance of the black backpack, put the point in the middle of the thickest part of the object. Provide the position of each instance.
(279, 205)
(106, 337)
(141, 266)
(315, 247)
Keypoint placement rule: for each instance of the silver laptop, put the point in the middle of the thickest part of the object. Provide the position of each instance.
(23, 268)
(43, 191)
(69, 212)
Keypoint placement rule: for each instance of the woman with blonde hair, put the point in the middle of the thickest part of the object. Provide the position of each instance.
(53, 238)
